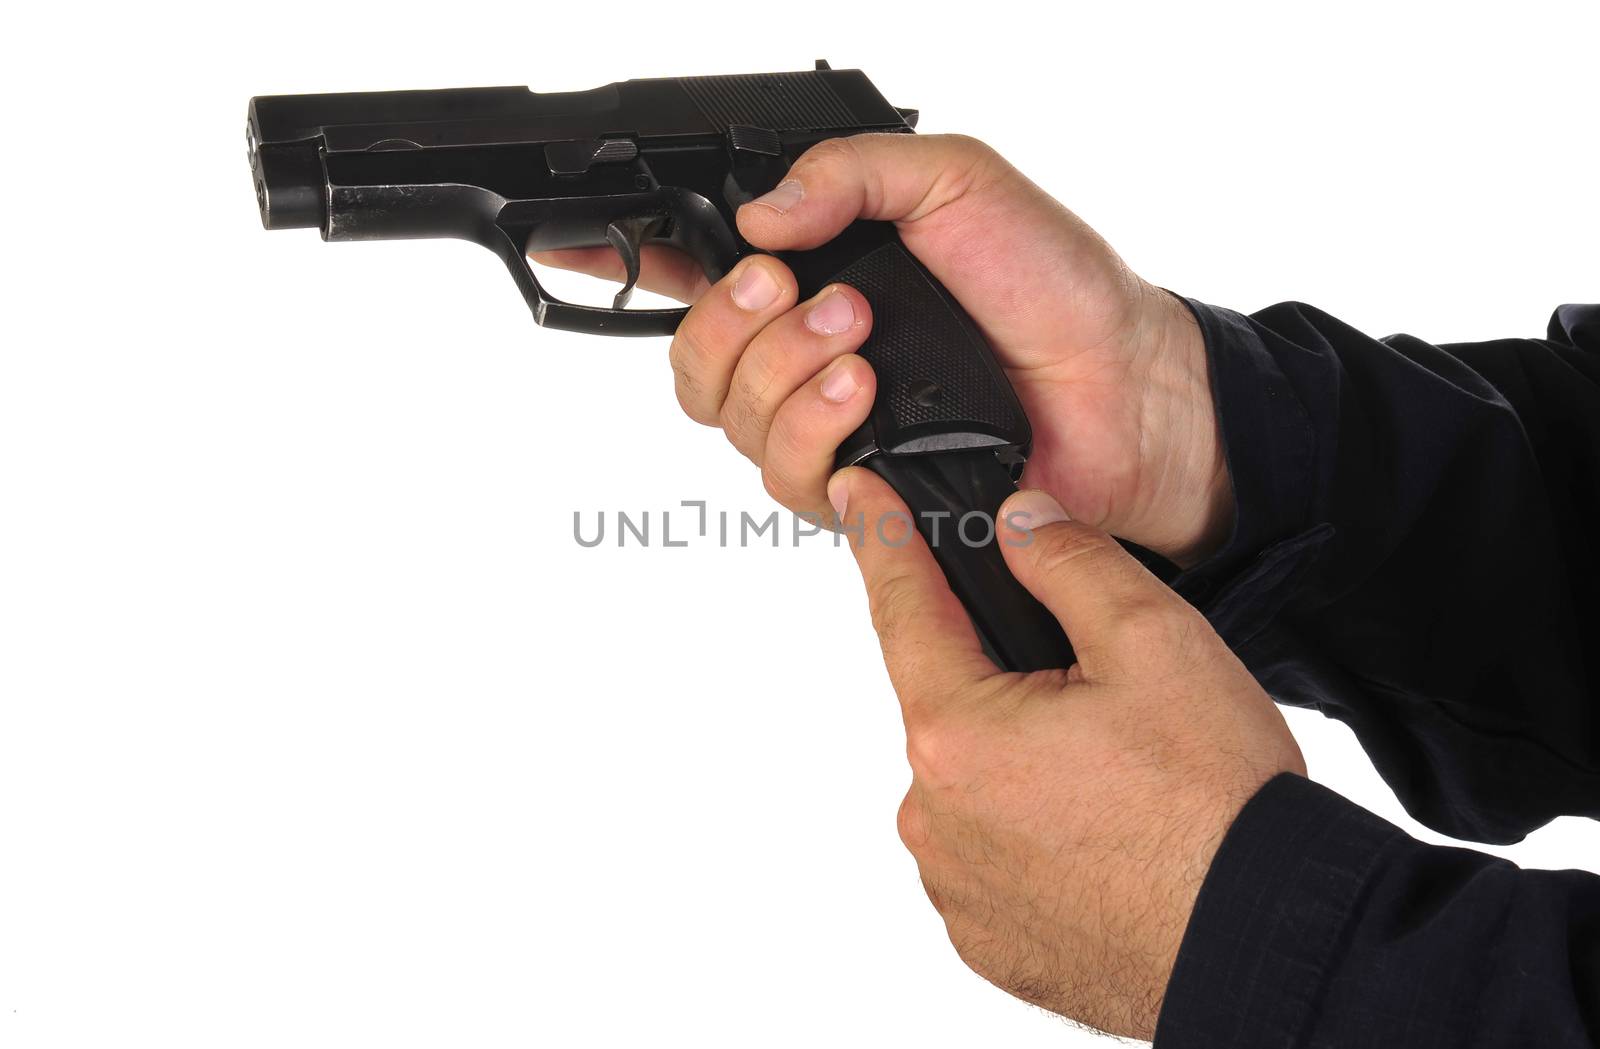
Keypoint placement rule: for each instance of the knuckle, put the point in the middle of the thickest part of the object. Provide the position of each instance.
(911, 823)
(976, 148)
(686, 351)
(751, 387)
(688, 360)
(978, 166)
(1150, 630)
(939, 754)
(1073, 549)
(830, 152)
(745, 428)
(785, 444)
(691, 397)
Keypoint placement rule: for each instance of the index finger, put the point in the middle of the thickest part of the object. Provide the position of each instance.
(662, 269)
(929, 645)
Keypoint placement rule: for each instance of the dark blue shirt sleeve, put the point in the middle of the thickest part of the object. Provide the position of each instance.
(1413, 554)
(1322, 926)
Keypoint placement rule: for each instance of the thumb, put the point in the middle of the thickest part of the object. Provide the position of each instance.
(1090, 584)
(899, 178)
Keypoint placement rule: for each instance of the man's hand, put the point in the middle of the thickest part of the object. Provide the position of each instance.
(1063, 821)
(1111, 370)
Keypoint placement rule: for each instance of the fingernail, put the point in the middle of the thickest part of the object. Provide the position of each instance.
(755, 289)
(1032, 508)
(838, 385)
(786, 196)
(838, 495)
(832, 315)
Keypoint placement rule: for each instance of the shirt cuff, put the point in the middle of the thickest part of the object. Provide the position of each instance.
(1269, 443)
(1269, 921)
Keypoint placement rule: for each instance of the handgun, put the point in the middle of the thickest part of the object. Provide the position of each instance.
(669, 161)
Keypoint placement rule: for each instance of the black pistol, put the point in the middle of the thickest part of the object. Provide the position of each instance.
(669, 161)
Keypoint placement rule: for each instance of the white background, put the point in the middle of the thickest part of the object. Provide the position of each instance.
(316, 726)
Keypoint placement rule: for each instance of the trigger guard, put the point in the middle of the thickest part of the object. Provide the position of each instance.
(602, 320)
(551, 312)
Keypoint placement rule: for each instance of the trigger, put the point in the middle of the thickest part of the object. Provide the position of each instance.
(627, 236)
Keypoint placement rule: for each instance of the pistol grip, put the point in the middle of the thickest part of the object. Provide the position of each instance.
(946, 431)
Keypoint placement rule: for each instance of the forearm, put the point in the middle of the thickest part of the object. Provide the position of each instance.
(1320, 925)
(1407, 554)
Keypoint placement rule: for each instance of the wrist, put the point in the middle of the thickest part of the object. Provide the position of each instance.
(1191, 507)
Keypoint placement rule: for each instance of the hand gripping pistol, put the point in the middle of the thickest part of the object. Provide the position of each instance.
(669, 161)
